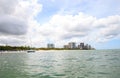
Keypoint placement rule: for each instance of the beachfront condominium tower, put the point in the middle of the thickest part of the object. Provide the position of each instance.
(72, 45)
(50, 46)
(81, 46)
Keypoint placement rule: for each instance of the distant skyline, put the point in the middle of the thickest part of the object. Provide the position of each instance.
(38, 22)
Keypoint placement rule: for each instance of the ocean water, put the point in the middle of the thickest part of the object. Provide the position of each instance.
(61, 64)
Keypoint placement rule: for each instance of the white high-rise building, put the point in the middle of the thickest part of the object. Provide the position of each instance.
(72, 45)
(50, 46)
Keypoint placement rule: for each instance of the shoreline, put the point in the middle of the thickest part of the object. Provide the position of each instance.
(1, 52)
(25, 51)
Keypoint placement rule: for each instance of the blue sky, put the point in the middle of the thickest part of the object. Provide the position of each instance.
(96, 22)
(97, 8)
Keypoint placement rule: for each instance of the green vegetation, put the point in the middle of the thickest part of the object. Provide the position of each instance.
(14, 48)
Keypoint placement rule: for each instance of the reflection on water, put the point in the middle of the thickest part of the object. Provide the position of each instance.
(62, 64)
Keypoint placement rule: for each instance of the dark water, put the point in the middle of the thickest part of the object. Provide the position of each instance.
(61, 64)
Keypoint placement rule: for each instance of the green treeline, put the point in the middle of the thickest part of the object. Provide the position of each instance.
(14, 48)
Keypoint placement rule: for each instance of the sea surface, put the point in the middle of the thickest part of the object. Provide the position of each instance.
(61, 64)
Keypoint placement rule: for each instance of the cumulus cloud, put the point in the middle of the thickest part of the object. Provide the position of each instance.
(111, 32)
(108, 28)
(80, 27)
(68, 26)
(12, 41)
(17, 17)
(7, 6)
(9, 24)
(12, 26)
(27, 9)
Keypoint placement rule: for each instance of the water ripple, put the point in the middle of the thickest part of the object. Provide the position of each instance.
(55, 74)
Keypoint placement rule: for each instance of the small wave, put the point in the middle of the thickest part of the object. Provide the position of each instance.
(59, 74)
(39, 74)
(102, 73)
(46, 76)
(114, 58)
(71, 59)
(80, 77)
(91, 72)
(67, 71)
(90, 59)
(103, 65)
(46, 66)
(84, 66)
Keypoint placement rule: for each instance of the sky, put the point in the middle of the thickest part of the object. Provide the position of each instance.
(38, 22)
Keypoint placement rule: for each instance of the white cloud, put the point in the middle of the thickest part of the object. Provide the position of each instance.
(27, 9)
(17, 18)
(10, 25)
(7, 6)
(80, 27)
(21, 26)
(8, 40)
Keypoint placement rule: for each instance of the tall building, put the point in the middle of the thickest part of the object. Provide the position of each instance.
(50, 46)
(89, 47)
(72, 45)
(81, 46)
(66, 46)
(86, 47)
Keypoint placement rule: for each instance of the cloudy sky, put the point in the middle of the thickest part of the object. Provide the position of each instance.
(38, 22)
